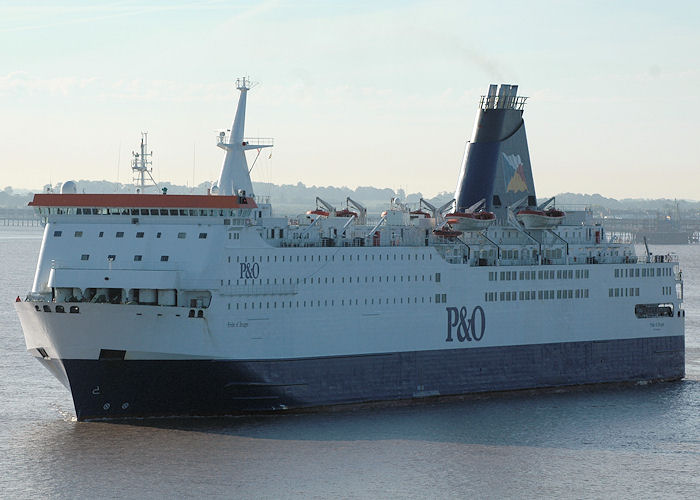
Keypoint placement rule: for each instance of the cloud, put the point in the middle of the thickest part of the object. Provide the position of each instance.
(21, 82)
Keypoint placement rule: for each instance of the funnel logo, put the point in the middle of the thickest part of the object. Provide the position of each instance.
(514, 174)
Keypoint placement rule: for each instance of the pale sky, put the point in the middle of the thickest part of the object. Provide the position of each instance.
(357, 93)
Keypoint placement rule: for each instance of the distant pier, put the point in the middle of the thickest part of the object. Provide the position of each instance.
(19, 217)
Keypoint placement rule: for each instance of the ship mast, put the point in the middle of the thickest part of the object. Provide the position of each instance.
(141, 165)
(235, 175)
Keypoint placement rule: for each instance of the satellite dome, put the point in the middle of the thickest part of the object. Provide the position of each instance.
(69, 187)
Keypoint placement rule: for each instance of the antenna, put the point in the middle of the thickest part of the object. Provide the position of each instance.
(119, 159)
(140, 164)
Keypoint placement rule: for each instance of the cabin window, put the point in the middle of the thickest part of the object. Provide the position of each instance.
(78, 234)
(164, 258)
(57, 234)
(120, 234)
(139, 234)
(137, 258)
(203, 236)
(85, 256)
(181, 236)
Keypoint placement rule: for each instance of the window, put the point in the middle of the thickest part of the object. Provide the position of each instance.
(139, 234)
(202, 236)
(120, 234)
(137, 258)
(164, 258)
(78, 234)
(102, 233)
(158, 235)
(57, 234)
(181, 235)
(437, 277)
(111, 258)
(85, 256)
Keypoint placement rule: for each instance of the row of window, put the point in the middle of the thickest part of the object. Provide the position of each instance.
(145, 211)
(325, 258)
(113, 257)
(623, 292)
(120, 234)
(331, 280)
(342, 302)
(547, 274)
(642, 273)
(667, 290)
(579, 293)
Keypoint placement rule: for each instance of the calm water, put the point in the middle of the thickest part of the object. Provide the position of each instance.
(641, 441)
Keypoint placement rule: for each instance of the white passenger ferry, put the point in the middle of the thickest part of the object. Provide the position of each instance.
(158, 304)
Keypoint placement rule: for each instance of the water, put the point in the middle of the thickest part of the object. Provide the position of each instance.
(641, 441)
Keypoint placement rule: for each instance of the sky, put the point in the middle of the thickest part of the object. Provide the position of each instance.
(363, 93)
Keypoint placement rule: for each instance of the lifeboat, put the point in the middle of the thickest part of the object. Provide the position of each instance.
(345, 213)
(471, 221)
(540, 219)
(317, 212)
(446, 232)
(416, 214)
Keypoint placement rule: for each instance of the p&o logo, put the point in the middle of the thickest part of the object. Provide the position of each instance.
(249, 270)
(468, 326)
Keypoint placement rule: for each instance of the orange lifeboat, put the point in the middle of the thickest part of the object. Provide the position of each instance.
(317, 212)
(345, 213)
(471, 221)
(540, 219)
(446, 232)
(416, 214)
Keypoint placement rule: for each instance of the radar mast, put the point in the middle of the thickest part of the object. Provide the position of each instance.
(141, 165)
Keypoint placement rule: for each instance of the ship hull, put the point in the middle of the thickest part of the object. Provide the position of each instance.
(117, 388)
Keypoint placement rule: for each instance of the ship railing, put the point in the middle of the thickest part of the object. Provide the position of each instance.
(225, 138)
(502, 102)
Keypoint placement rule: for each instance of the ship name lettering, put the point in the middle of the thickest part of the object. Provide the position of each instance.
(468, 326)
(249, 270)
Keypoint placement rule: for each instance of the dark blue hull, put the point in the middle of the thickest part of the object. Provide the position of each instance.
(116, 388)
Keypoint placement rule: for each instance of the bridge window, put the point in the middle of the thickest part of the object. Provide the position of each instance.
(111, 258)
(203, 236)
(57, 234)
(120, 234)
(164, 258)
(137, 258)
(139, 234)
(85, 256)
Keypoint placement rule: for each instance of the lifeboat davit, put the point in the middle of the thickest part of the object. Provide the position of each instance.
(345, 213)
(446, 232)
(540, 219)
(471, 221)
(317, 212)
